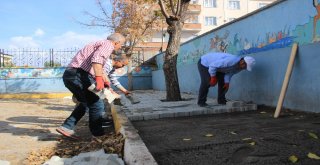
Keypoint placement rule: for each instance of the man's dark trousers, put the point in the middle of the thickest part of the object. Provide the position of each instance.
(205, 85)
(78, 81)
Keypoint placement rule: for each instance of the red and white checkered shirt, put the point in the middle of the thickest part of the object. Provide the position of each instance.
(96, 52)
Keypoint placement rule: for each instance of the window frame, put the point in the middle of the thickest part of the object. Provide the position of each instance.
(207, 4)
(213, 21)
(234, 5)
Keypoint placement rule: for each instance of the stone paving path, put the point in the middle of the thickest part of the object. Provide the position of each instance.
(151, 106)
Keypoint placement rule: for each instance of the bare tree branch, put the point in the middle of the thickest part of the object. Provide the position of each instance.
(178, 8)
(172, 7)
(102, 9)
(163, 9)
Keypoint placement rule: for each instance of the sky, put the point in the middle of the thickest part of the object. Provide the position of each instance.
(48, 23)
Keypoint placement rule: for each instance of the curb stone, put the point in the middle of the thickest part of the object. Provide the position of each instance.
(135, 151)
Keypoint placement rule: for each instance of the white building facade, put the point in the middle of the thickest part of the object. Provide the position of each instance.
(205, 15)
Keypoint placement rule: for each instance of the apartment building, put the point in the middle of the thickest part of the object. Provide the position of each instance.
(203, 16)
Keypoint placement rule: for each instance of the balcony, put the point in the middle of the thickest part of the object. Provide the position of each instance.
(153, 44)
(194, 8)
(196, 27)
(192, 27)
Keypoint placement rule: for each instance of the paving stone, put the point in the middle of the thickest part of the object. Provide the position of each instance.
(128, 113)
(166, 114)
(235, 109)
(197, 112)
(136, 153)
(250, 107)
(135, 117)
(211, 111)
(181, 114)
(224, 110)
(150, 116)
(234, 103)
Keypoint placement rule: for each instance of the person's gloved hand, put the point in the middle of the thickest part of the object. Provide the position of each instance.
(100, 83)
(213, 81)
(107, 84)
(226, 86)
(127, 92)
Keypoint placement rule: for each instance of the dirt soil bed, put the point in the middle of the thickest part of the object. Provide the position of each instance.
(253, 137)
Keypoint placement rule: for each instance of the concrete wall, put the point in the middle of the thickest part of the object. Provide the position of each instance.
(267, 35)
(49, 80)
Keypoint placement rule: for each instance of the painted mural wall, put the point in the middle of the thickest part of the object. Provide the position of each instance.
(9, 73)
(20, 80)
(261, 34)
(276, 27)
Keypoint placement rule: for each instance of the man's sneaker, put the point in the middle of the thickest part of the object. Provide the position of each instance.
(107, 123)
(203, 104)
(224, 102)
(67, 133)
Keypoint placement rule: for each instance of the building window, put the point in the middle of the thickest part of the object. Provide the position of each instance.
(260, 5)
(194, 2)
(234, 5)
(192, 19)
(210, 21)
(210, 3)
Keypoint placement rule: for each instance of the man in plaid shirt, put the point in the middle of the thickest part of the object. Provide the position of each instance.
(86, 68)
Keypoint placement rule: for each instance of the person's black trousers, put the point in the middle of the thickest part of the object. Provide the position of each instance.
(205, 85)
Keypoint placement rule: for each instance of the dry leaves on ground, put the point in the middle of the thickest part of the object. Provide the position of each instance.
(66, 148)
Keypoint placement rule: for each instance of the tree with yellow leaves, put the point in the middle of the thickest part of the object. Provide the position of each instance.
(136, 20)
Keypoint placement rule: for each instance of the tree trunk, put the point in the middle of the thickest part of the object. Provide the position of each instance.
(129, 73)
(170, 61)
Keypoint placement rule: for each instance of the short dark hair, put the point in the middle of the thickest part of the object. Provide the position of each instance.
(120, 58)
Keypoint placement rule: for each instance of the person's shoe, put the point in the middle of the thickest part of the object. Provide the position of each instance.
(107, 123)
(203, 105)
(67, 133)
(222, 102)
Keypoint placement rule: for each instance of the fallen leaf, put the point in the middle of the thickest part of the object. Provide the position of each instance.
(233, 133)
(209, 135)
(313, 156)
(313, 135)
(111, 149)
(252, 143)
(186, 139)
(246, 139)
(293, 159)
